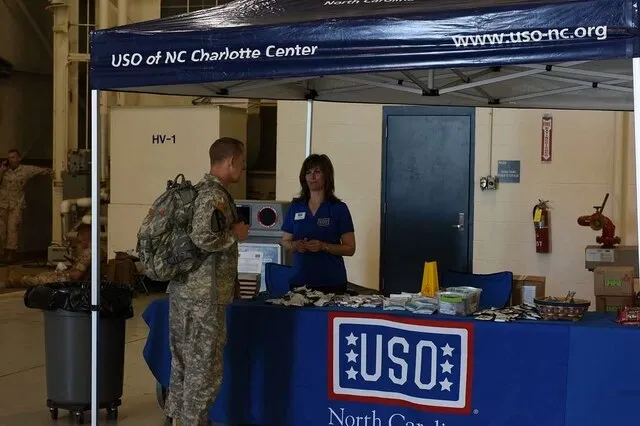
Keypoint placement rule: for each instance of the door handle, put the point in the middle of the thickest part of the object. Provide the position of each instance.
(460, 224)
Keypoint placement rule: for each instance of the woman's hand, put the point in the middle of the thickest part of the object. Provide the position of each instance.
(314, 246)
(299, 246)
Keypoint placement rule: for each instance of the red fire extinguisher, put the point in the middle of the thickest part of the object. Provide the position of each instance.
(541, 225)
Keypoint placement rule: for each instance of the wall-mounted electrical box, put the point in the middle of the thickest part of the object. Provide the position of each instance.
(488, 183)
(79, 162)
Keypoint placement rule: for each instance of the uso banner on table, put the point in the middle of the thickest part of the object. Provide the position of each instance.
(414, 371)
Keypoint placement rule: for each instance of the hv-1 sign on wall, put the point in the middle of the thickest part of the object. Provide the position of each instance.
(402, 364)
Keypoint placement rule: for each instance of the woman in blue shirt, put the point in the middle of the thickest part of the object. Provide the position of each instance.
(318, 229)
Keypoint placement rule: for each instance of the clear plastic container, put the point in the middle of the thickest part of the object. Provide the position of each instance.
(452, 303)
(472, 297)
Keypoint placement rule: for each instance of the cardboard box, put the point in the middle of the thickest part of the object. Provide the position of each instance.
(612, 303)
(527, 287)
(595, 256)
(613, 281)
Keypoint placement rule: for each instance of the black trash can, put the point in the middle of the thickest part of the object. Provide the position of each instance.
(67, 334)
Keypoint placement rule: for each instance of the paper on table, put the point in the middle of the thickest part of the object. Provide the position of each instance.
(250, 262)
(528, 294)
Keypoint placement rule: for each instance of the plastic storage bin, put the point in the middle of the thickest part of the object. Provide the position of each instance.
(462, 302)
(472, 297)
(67, 334)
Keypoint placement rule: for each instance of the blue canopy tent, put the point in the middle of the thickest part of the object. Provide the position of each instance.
(569, 54)
(382, 51)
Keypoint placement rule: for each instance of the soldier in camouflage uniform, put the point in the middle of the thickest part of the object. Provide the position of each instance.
(198, 302)
(13, 178)
(79, 269)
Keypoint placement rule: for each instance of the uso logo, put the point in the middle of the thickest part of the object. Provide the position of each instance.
(390, 360)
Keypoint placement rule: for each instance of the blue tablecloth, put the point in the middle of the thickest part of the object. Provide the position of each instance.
(337, 367)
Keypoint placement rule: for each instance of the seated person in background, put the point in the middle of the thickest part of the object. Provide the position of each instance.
(80, 266)
(318, 229)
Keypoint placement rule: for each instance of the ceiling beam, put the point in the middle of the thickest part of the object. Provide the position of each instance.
(46, 43)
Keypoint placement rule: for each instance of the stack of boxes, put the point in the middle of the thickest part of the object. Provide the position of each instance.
(615, 276)
(614, 287)
(526, 288)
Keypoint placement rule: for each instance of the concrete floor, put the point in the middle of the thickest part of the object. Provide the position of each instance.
(22, 370)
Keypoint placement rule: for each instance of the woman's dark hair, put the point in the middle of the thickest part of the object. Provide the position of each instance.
(322, 162)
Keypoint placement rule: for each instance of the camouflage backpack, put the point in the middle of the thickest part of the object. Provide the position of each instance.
(164, 245)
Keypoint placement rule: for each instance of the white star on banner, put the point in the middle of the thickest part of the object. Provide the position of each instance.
(351, 373)
(446, 350)
(446, 385)
(352, 356)
(446, 367)
(351, 339)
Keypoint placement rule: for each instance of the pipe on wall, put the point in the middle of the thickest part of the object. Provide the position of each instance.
(309, 132)
(86, 219)
(73, 72)
(253, 133)
(103, 22)
(618, 189)
(60, 29)
(72, 235)
(122, 20)
(66, 205)
(627, 135)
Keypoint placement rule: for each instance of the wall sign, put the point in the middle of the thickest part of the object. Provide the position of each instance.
(160, 139)
(546, 143)
(509, 171)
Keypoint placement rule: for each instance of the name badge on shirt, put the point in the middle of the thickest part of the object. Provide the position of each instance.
(324, 221)
(299, 216)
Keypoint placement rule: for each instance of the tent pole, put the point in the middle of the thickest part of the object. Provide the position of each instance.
(636, 136)
(95, 249)
(307, 145)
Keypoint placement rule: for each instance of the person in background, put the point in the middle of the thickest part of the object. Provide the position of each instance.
(198, 303)
(13, 177)
(80, 268)
(318, 229)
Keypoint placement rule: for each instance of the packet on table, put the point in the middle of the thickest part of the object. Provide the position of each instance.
(422, 305)
(394, 304)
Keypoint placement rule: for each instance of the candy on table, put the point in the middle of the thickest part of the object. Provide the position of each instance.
(511, 313)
